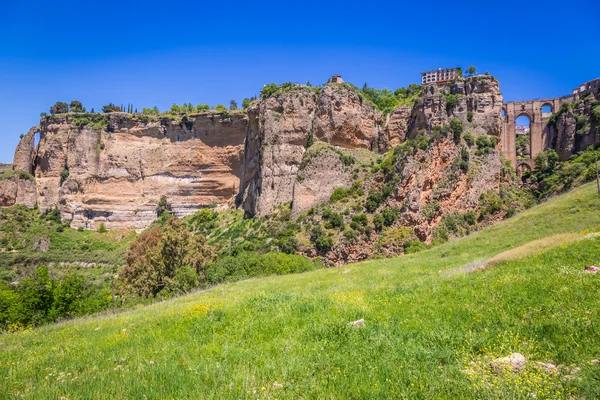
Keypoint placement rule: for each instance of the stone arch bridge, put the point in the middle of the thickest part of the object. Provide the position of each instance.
(538, 127)
(539, 131)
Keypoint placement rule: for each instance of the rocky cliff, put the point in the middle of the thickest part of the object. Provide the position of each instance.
(297, 145)
(575, 125)
(114, 168)
(282, 125)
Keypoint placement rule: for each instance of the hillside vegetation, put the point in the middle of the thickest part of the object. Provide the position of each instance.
(433, 322)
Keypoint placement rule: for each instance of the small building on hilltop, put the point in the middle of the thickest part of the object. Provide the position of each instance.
(335, 79)
(589, 85)
(439, 75)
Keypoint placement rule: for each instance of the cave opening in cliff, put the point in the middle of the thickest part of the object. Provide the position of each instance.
(523, 140)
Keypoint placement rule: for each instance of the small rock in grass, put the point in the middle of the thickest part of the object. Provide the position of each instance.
(514, 362)
(277, 385)
(357, 324)
(596, 361)
(548, 367)
(345, 271)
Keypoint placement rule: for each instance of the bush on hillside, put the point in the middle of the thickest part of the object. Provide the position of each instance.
(157, 255)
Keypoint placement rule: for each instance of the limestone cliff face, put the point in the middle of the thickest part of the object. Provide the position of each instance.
(432, 185)
(25, 152)
(344, 120)
(395, 128)
(17, 190)
(320, 173)
(116, 175)
(278, 132)
(575, 127)
(281, 125)
(477, 98)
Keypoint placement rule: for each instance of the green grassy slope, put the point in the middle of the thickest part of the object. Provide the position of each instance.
(427, 321)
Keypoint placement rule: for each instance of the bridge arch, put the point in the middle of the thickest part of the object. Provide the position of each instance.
(547, 108)
(536, 112)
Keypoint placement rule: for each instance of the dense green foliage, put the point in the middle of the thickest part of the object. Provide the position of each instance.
(60, 107)
(246, 265)
(430, 318)
(552, 176)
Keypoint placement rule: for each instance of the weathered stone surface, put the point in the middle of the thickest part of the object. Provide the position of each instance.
(17, 191)
(396, 128)
(479, 95)
(342, 119)
(317, 178)
(117, 175)
(278, 132)
(512, 363)
(25, 152)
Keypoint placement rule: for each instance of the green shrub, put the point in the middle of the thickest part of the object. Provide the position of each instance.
(374, 200)
(596, 114)
(469, 138)
(102, 228)
(430, 209)
(470, 116)
(360, 219)
(414, 246)
(390, 215)
(451, 101)
(378, 221)
(64, 175)
(456, 126)
(489, 203)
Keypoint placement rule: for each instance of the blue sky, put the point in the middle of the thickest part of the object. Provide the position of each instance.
(157, 53)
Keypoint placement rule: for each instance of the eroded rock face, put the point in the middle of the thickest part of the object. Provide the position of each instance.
(16, 190)
(477, 98)
(396, 128)
(318, 176)
(279, 128)
(432, 186)
(342, 119)
(25, 151)
(118, 174)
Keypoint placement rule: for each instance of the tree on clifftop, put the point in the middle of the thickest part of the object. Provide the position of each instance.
(110, 107)
(76, 107)
(59, 108)
(233, 105)
(471, 70)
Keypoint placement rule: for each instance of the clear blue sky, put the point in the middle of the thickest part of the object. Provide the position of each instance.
(157, 53)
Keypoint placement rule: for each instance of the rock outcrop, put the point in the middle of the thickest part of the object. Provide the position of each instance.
(344, 120)
(280, 128)
(321, 172)
(116, 173)
(476, 102)
(17, 189)
(25, 152)
(278, 131)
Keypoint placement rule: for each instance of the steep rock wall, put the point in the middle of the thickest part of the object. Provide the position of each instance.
(279, 129)
(278, 132)
(116, 175)
(478, 97)
(16, 190)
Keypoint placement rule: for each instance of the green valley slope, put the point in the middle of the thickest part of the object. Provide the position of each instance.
(433, 321)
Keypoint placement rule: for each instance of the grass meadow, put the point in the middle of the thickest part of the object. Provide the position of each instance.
(433, 322)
